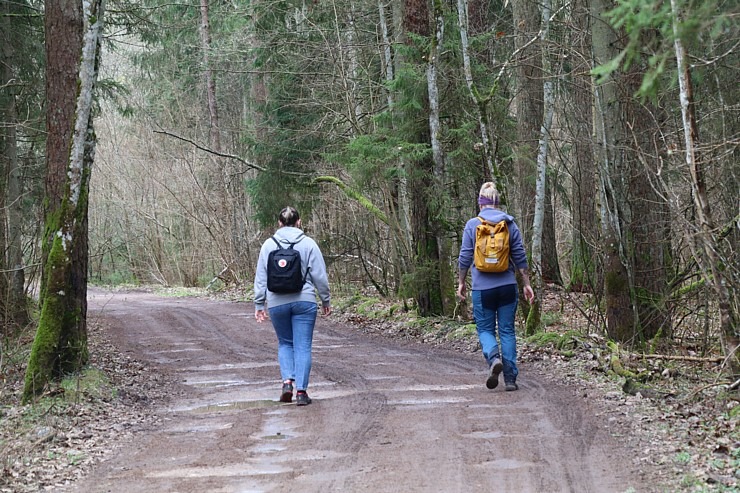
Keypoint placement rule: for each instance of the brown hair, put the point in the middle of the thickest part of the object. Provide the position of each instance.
(288, 216)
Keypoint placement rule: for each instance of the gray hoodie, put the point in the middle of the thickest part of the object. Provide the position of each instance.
(317, 280)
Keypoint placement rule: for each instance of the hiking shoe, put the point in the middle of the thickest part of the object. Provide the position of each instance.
(511, 386)
(287, 393)
(496, 367)
(302, 398)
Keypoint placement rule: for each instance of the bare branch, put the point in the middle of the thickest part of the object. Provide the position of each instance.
(211, 151)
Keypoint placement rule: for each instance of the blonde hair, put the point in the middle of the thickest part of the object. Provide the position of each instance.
(488, 191)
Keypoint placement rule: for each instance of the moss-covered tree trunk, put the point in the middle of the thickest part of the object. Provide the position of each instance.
(611, 140)
(60, 345)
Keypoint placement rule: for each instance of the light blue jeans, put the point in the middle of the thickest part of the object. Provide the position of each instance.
(294, 323)
(494, 308)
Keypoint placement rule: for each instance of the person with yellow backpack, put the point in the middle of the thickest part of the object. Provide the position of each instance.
(492, 245)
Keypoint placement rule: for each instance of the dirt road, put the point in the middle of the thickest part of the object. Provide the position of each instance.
(386, 416)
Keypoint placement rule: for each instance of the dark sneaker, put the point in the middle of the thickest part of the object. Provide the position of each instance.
(302, 399)
(496, 367)
(287, 393)
(511, 386)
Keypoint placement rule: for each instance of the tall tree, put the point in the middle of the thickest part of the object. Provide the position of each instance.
(583, 268)
(529, 109)
(60, 345)
(710, 262)
(533, 318)
(610, 139)
(635, 217)
(19, 65)
(420, 23)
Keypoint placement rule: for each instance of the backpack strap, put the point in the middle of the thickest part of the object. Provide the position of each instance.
(290, 245)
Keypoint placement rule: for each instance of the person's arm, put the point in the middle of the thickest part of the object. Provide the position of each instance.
(260, 286)
(320, 278)
(465, 260)
(461, 283)
(528, 291)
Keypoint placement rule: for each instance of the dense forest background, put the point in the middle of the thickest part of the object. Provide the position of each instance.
(611, 129)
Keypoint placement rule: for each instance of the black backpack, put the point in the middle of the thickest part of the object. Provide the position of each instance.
(284, 274)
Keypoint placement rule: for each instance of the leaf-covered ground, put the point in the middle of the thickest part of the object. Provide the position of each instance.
(677, 413)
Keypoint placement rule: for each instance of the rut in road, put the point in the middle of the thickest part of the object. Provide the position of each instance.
(386, 416)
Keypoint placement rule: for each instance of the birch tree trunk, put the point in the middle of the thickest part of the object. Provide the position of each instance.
(710, 261)
(5, 163)
(60, 345)
(533, 317)
(444, 246)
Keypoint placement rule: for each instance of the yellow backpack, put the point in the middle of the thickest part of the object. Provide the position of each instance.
(491, 246)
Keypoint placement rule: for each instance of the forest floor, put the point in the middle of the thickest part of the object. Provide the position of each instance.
(180, 395)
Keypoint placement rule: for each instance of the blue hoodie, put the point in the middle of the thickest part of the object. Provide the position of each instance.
(317, 281)
(517, 254)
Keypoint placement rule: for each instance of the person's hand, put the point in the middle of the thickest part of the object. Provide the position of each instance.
(260, 315)
(326, 310)
(461, 291)
(529, 293)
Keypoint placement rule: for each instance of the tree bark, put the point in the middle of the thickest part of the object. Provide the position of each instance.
(533, 317)
(611, 140)
(444, 246)
(584, 275)
(60, 345)
(210, 82)
(16, 306)
(729, 337)
(529, 110)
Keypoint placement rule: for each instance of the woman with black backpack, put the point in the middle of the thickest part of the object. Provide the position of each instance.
(290, 273)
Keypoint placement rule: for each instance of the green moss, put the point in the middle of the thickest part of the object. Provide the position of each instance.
(91, 382)
(463, 332)
(366, 306)
(544, 339)
(565, 342)
(53, 315)
(615, 283)
(551, 318)
(533, 324)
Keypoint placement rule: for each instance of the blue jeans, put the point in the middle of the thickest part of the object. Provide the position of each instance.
(294, 323)
(492, 307)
